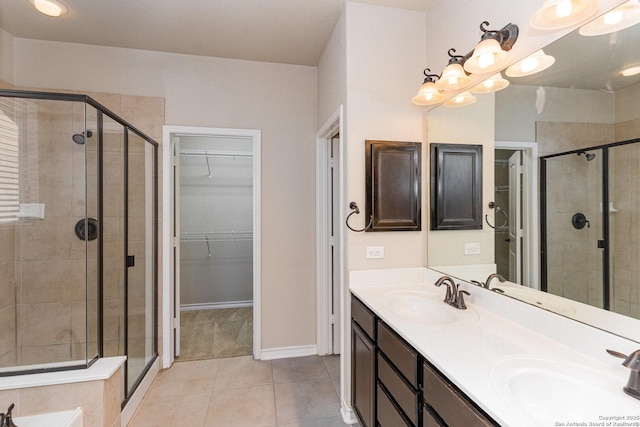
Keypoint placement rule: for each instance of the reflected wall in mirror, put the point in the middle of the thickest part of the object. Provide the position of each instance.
(582, 117)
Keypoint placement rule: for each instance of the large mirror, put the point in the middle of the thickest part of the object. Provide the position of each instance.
(564, 179)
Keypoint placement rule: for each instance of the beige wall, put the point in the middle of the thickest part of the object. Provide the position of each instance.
(280, 100)
(385, 59)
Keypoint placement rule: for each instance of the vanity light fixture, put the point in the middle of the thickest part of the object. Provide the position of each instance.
(630, 71)
(49, 7)
(532, 64)
(491, 54)
(461, 100)
(428, 93)
(558, 14)
(492, 84)
(623, 16)
(453, 76)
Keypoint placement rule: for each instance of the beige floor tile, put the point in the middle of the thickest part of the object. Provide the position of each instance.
(186, 378)
(238, 372)
(324, 422)
(332, 363)
(306, 400)
(250, 407)
(185, 410)
(298, 369)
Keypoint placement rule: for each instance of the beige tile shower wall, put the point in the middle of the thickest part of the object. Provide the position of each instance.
(574, 185)
(625, 244)
(50, 251)
(8, 292)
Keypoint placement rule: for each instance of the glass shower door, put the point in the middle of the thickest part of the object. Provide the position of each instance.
(573, 227)
(141, 296)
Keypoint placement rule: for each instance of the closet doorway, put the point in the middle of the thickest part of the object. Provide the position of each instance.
(214, 250)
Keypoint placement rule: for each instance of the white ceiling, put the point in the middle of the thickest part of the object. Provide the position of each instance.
(282, 31)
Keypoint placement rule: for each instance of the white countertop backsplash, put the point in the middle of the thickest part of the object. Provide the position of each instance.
(467, 351)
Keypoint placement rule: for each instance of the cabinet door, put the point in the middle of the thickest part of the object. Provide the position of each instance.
(363, 359)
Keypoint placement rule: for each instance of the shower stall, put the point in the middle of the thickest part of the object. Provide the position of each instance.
(78, 237)
(590, 214)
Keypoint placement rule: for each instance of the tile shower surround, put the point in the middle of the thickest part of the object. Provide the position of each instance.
(624, 189)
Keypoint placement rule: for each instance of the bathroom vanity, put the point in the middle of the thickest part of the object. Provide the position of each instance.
(417, 361)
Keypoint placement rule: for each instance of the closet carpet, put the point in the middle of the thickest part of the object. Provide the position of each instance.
(212, 334)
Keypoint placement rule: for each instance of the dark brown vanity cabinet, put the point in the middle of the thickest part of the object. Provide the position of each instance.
(394, 386)
(363, 363)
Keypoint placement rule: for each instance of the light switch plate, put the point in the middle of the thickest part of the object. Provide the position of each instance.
(375, 252)
(472, 248)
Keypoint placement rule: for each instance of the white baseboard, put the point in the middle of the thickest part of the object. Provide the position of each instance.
(348, 416)
(216, 305)
(286, 352)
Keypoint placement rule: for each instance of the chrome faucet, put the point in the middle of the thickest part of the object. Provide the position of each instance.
(632, 362)
(454, 296)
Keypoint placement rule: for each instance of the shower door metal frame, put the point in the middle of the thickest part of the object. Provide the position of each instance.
(606, 224)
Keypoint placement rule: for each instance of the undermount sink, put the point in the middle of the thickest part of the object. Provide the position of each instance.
(549, 390)
(425, 307)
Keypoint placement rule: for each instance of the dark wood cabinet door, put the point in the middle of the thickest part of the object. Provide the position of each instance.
(393, 183)
(363, 381)
(456, 187)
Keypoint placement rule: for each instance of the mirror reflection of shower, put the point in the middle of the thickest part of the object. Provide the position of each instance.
(589, 156)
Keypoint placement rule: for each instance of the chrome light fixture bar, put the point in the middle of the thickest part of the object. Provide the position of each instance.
(491, 54)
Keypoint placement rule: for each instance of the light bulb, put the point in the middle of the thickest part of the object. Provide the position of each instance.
(564, 8)
(488, 83)
(613, 17)
(486, 60)
(529, 64)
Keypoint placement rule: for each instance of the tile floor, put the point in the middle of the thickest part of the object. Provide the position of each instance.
(242, 392)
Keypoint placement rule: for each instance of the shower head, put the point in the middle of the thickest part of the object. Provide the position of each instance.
(79, 138)
(589, 156)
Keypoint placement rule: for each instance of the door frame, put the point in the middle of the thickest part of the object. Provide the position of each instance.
(168, 344)
(323, 280)
(530, 246)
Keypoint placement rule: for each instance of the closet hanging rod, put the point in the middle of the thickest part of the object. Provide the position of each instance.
(213, 236)
(213, 153)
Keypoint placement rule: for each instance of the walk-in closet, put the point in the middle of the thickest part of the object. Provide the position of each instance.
(215, 202)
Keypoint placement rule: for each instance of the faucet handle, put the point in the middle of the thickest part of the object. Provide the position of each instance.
(477, 283)
(632, 362)
(460, 300)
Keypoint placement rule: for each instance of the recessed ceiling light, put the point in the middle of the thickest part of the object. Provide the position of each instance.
(49, 7)
(630, 71)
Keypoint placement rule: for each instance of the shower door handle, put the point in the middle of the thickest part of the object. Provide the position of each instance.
(131, 261)
(600, 244)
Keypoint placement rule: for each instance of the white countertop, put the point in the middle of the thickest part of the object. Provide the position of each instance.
(495, 330)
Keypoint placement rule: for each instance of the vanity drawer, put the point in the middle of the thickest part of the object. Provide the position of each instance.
(363, 317)
(430, 420)
(405, 397)
(403, 356)
(388, 415)
(451, 405)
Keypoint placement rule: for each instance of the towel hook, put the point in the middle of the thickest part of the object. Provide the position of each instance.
(498, 209)
(355, 210)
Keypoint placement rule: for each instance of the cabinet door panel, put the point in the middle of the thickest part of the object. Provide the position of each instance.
(363, 359)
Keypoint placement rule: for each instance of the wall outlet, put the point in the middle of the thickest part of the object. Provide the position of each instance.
(472, 248)
(375, 252)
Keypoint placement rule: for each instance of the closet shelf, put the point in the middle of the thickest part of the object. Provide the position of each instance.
(214, 153)
(216, 236)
